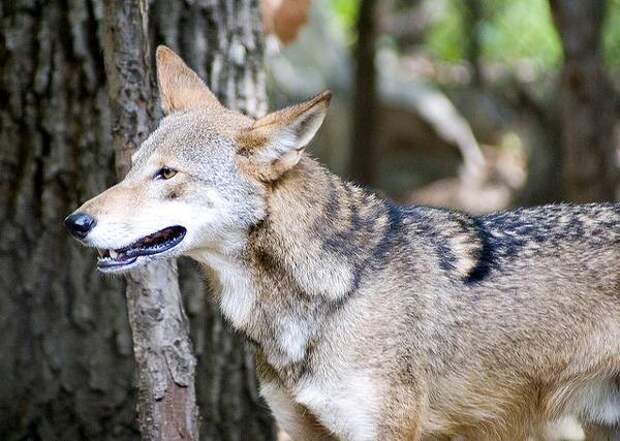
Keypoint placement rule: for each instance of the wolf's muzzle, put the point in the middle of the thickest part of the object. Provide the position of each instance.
(79, 224)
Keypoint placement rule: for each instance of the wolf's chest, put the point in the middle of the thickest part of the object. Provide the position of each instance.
(236, 292)
(280, 330)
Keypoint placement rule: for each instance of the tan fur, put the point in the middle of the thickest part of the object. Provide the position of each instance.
(254, 140)
(373, 321)
(181, 89)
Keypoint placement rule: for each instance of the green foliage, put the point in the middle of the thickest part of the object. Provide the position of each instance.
(345, 12)
(522, 29)
(611, 34)
(509, 31)
(445, 38)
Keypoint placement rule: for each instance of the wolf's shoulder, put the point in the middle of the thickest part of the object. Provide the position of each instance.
(452, 237)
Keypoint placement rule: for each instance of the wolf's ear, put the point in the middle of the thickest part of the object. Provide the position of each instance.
(180, 88)
(274, 143)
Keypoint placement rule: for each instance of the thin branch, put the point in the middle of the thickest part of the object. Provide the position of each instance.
(165, 363)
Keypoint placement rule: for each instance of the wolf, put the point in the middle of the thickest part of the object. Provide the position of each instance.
(371, 321)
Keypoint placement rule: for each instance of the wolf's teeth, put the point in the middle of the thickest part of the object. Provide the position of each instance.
(113, 254)
(100, 252)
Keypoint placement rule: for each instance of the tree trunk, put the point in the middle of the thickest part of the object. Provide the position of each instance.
(363, 149)
(586, 102)
(233, 68)
(67, 354)
(544, 175)
(472, 19)
(165, 364)
(66, 350)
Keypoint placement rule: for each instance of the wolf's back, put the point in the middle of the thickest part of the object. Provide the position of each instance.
(549, 247)
(562, 236)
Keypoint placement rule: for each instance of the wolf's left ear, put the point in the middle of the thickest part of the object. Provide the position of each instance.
(180, 88)
(274, 143)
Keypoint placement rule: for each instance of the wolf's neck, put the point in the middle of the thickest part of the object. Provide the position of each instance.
(319, 231)
(302, 262)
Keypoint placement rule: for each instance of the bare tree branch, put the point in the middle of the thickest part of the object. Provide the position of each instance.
(165, 363)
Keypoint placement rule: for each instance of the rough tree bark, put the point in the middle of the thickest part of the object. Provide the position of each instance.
(66, 351)
(165, 364)
(363, 155)
(586, 103)
(67, 368)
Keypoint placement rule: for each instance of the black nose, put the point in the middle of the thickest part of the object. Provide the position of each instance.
(79, 224)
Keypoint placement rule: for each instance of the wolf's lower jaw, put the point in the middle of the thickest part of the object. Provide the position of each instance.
(141, 251)
(108, 265)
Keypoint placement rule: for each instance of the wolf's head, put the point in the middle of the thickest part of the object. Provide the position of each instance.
(200, 181)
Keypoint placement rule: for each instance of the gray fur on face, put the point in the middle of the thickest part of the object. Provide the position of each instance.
(192, 144)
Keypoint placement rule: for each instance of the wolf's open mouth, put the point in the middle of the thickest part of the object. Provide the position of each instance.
(155, 243)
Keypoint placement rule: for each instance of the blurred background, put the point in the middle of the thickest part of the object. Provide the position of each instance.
(479, 105)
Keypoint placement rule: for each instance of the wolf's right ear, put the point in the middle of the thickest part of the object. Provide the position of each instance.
(274, 143)
(180, 88)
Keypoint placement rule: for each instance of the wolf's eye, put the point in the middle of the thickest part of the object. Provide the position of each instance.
(165, 173)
